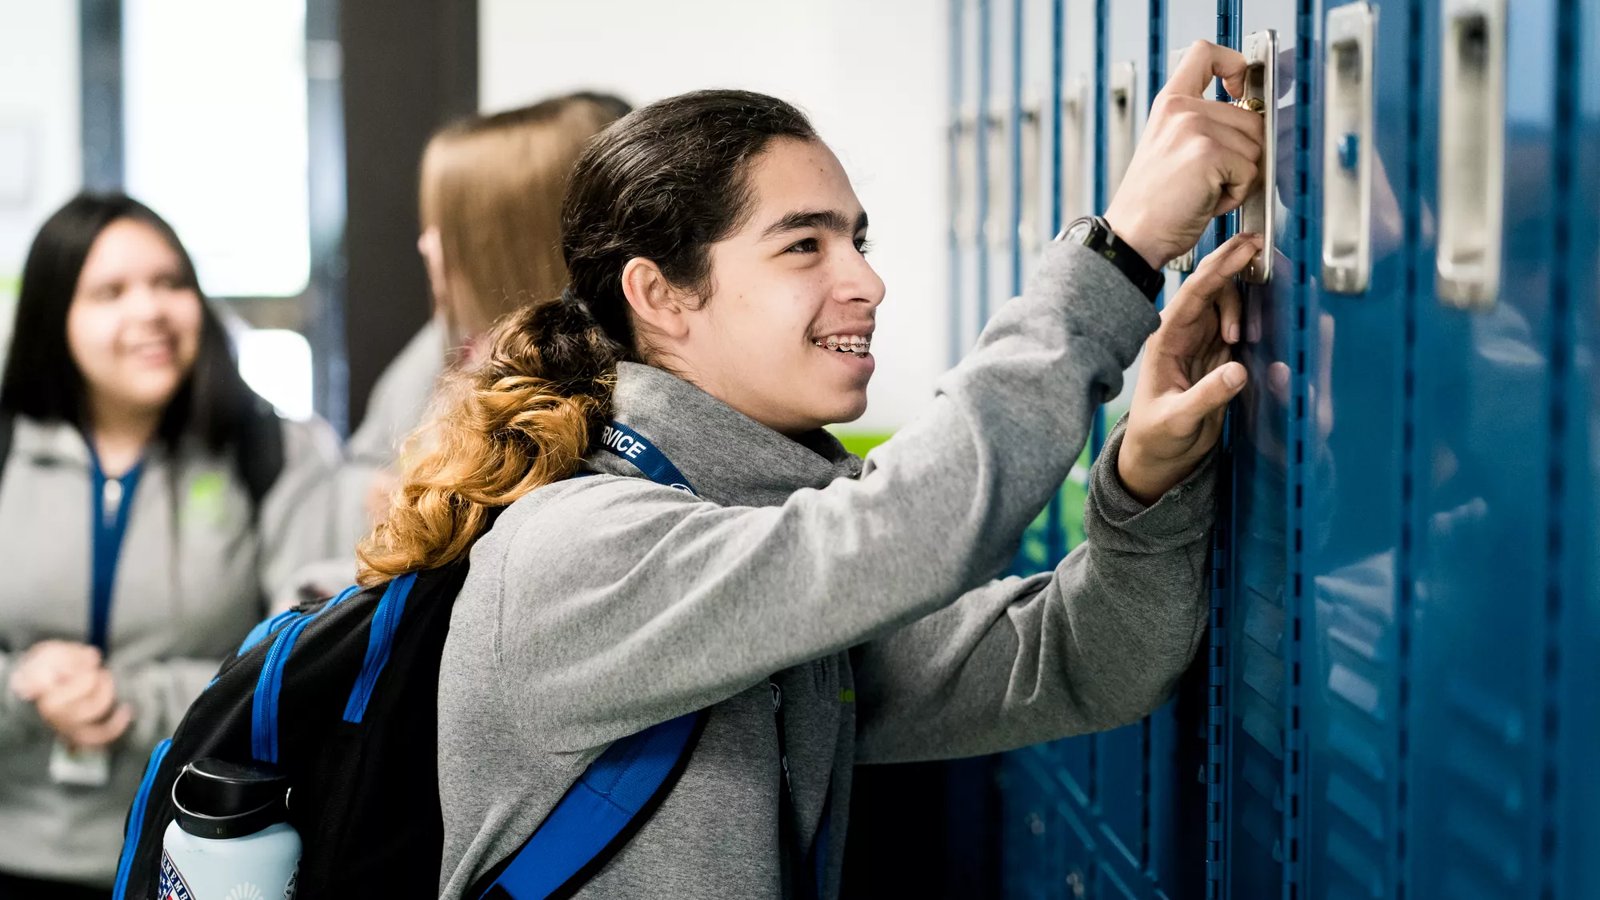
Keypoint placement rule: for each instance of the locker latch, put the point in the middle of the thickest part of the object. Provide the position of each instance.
(1259, 213)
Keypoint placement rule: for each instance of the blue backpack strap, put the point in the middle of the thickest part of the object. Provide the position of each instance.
(596, 816)
(618, 792)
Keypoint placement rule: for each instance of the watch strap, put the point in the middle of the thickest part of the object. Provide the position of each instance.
(1102, 240)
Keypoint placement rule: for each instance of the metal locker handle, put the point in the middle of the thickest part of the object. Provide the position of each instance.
(1258, 214)
(997, 226)
(1471, 152)
(1183, 262)
(1028, 221)
(1121, 94)
(1347, 151)
(1074, 138)
(966, 212)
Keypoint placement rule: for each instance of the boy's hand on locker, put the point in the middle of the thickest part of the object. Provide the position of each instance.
(1187, 376)
(1197, 159)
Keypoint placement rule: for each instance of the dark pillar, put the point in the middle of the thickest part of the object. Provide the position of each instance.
(409, 66)
(100, 32)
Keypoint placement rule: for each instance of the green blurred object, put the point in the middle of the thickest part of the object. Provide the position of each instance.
(859, 442)
(1042, 545)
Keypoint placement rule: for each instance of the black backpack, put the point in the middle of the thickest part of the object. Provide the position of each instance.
(303, 693)
(341, 696)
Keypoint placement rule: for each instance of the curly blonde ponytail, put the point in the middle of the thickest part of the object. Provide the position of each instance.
(522, 419)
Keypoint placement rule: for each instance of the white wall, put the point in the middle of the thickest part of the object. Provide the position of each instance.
(40, 144)
(872, 76)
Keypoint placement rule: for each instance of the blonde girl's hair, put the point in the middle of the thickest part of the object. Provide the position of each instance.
(492, 186)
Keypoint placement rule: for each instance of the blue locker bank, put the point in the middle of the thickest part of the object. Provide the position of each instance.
(1400, 693)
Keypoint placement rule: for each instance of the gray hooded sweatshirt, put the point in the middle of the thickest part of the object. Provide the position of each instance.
(865, 590)
(196, 564)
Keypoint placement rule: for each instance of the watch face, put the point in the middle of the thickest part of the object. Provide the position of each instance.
(1079, 232)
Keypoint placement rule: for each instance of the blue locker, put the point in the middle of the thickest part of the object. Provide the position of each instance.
(1035, 160)
(960, 185)
(972, 207)
(1482, 698)
(1079, 156)
(1356, 538)
(1177, 26)
(999, 163)
(1578, 297)
(1265, 766)
(1124, 754)
(1175, 800)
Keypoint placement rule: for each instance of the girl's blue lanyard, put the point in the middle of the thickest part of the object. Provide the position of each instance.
(633, 447)
(110, 499)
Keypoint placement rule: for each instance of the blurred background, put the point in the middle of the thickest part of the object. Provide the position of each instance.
(282, 140)
(1396, 696)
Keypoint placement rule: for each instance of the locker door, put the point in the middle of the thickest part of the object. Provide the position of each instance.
(1175, 798)
(1481, 697)
(1037, 157)
(1182, 24)
(1075, 758)
(1123, 756)
(1125, 100)
(1265, 768)
(1035, 839)
(1000, 164)
(1578, 436)
(963, 149)
(971, 155)
(1355, 537)
(1579, 723)
(1180, 788)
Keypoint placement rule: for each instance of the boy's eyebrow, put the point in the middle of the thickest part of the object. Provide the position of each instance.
(826, 219)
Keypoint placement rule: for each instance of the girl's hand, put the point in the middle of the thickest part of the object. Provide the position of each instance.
(83, 710)
(1187, 378)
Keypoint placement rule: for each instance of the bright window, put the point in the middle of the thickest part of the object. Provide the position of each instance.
(215, 116)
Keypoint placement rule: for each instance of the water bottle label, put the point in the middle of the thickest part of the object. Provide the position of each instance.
(171, 885)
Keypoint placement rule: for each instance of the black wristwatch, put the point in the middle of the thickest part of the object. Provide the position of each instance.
(1096, 234)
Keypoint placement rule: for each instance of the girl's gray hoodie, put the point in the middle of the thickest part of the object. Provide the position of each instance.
(865, 590)
(196, 564)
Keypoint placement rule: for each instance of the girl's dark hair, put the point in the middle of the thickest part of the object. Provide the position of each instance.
(664, 183)
(42, 382)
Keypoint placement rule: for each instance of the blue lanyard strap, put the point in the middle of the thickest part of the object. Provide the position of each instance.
(110, 500)
(625, 443)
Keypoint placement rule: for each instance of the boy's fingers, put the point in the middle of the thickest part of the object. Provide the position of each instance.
(1204, 61)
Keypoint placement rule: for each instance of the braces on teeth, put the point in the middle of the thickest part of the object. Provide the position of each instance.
(848, 343)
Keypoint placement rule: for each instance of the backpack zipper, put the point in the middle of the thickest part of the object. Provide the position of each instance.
(264, 706)
(265, 629)
(385, 622)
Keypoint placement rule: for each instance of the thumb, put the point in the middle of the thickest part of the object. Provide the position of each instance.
(1211, 393)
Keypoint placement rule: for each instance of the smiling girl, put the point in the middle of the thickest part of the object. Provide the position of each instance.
(820, 609)
(145, 513)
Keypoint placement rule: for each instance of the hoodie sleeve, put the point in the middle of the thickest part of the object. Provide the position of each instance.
(295, 523)
(615, 603)
(1097, 643)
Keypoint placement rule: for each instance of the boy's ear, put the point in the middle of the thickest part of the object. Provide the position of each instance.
(653, 299)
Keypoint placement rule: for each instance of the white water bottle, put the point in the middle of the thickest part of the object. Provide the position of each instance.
(231, 839)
